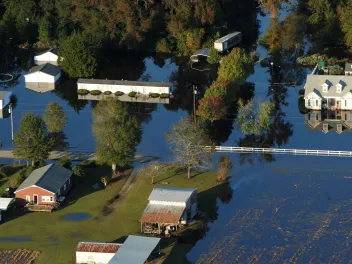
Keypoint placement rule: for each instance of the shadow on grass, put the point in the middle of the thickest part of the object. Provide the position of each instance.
(10, 169)
(207, 205)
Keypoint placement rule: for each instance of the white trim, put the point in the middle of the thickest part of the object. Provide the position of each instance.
(33, 186)
(41, 73)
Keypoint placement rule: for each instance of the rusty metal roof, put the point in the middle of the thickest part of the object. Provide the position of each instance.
(97, 247)
(159, 213)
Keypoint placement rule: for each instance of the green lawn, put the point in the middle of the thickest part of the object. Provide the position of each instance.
(56, 239)
(12, 171)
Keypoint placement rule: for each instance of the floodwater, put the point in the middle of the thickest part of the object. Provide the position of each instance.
(76, 216)
(16, 239)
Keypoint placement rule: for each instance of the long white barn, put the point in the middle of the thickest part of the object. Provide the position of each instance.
(123, 86)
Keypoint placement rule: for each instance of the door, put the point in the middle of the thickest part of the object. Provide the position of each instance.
(35, 199)
(338, 104)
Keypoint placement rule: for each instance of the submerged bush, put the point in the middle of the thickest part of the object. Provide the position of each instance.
(132, 94)
(301, 91)
(154, 95)
(95, 92)
(82, 91)
(164, 95)
(107, 92)
(119, 93)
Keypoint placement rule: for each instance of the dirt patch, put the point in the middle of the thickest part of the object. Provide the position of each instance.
(18, 256)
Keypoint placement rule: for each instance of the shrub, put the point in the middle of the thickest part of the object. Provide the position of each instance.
(88, 163)
(225, 166)
(164, 95)
(105, 180)
(82, 91)
(95, 92)
(132, 94)
(107, 92)
(336, 70)
(301, 91)
(301, 106)
(65, 162)
(214, 56)
(119, 93)
(78, 170)
(154, 95)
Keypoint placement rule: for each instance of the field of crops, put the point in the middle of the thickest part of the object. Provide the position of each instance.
(18, 256)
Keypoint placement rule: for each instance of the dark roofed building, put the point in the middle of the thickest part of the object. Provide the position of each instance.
(45, 73)
(45, 186)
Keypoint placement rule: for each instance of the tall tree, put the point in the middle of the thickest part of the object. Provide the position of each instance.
(55, 117)
(187, 141)
(212, 108)
(117, 133)
(32, 141)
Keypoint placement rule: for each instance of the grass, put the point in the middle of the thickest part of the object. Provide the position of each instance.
(57, 239)
(12, 171)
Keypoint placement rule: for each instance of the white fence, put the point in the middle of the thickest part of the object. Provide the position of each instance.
(285, 151)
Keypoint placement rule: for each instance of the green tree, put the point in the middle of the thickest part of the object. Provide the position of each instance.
(346, 24)
(78, 171)
(117, 133)
(44, 33)
(77, 54)
(214, 56)
(55, 117)
(218, 89)
(252, 118)
(187, 141)
(235, 67)
(65, 162)
(32, 141)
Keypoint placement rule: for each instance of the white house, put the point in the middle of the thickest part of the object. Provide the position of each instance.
(95, 253)
(168, 207)
(332, 92)
(227, 42)
(123, 86)
(49, 56)
(45, 73)
(5, 97)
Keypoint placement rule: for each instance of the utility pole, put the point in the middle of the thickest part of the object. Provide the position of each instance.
(11, 112)
(194, 103)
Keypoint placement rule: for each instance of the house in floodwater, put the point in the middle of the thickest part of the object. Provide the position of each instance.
(49, 56)
(95, 252)
(329, 121)
(348, 69)
(44, 188)
(331, 92)
(168, 209)
(5, 99)
(126, 87)
(45, 74)
(227, 42)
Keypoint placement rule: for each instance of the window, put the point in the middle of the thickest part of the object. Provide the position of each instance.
(339, 127)
(325, 88)
(345, 102)
(65, 186)
(308, 102)
(317, 103)
(47, 198)
(28, 198)
(325, 127)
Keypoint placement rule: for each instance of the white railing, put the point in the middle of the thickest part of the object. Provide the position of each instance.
(284, 151)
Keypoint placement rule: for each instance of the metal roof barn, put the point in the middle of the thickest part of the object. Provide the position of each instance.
(4, 203)
(171, 194)
(164, 214)
(135, 250)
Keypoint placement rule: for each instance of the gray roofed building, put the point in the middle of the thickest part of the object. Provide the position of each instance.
(50, 177)
(46, 68)
(135, 250)
(228, 36)
(118, 82)
(166, 194)
(348, 67)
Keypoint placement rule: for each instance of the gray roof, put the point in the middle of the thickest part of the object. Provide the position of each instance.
(127, 83)
(201, 52)
(50, 177)
(46, 68)
(4, 203)
(171, 194)
(135, 250)
(314, 84)
(53, 50)
(3, 93)
(348, 67)
(228, 36)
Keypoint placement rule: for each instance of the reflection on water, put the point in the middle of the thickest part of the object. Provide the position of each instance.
(338, 121)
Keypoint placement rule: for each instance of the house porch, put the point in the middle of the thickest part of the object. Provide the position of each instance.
(40, 207)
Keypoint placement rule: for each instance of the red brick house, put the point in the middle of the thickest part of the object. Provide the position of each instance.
(44, 186)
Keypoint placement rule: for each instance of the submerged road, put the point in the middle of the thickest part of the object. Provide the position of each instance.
(74, 155)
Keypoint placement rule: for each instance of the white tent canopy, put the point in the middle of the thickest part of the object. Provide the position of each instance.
(4, 203)
(135, 250)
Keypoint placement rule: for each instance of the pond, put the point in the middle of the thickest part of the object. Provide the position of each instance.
(16, 239)
(76, 216)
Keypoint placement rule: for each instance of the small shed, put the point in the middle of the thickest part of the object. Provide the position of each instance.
(348, 69)
(5, 98)
(4, 204)
(49, 56)
(45, 73)
(136, 250)
(227, 42)
(95, 252)
(168, 208)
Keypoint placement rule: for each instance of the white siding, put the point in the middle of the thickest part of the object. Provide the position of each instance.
(39, 77)
(346, 103)
(46, 57)
(168, 203)
(6, 100)
(123, 88)
(218, 46)
(93, 257)
(313, 103)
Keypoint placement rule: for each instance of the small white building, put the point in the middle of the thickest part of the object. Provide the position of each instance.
(4, 204)
(123, 86)
(5, 98)
(45, 73)
(168, 207)
(332, 92)
(227, 42)
(95, 253)
(49, 56)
